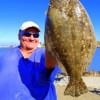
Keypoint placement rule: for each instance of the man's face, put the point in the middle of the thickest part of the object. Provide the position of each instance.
(28, 41)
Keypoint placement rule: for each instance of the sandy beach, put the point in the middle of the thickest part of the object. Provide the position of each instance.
(93, 84)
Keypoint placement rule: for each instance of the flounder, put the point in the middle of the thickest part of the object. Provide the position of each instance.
(69, 36)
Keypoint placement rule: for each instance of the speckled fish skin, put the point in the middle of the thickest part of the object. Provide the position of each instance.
(69, 36)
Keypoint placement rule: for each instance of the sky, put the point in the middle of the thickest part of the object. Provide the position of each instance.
(14, 12)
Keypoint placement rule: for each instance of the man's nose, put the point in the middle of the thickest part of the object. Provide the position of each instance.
(31, 37)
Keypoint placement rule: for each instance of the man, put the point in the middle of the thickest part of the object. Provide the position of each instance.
(27, 72)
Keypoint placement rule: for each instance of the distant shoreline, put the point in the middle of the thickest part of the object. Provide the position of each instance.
(11, 46)
(98, 46)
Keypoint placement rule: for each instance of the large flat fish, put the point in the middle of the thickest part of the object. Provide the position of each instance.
(69, 36)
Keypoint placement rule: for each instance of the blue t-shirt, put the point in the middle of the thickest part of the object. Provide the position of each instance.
(26, 79)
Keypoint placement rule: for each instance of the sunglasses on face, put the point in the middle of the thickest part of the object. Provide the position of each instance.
(28, 34)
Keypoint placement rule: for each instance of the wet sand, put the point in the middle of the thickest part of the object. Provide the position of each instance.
(93, 84)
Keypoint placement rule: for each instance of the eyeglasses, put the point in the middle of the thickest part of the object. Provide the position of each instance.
(28, 34)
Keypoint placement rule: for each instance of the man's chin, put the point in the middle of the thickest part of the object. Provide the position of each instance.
(31, 48)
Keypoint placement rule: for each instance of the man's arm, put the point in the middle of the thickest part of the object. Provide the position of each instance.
(50, 60)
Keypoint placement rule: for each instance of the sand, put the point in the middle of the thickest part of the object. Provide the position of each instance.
(93, 84)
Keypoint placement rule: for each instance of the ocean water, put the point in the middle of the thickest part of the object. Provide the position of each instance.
(3, 50)
(94, 65)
